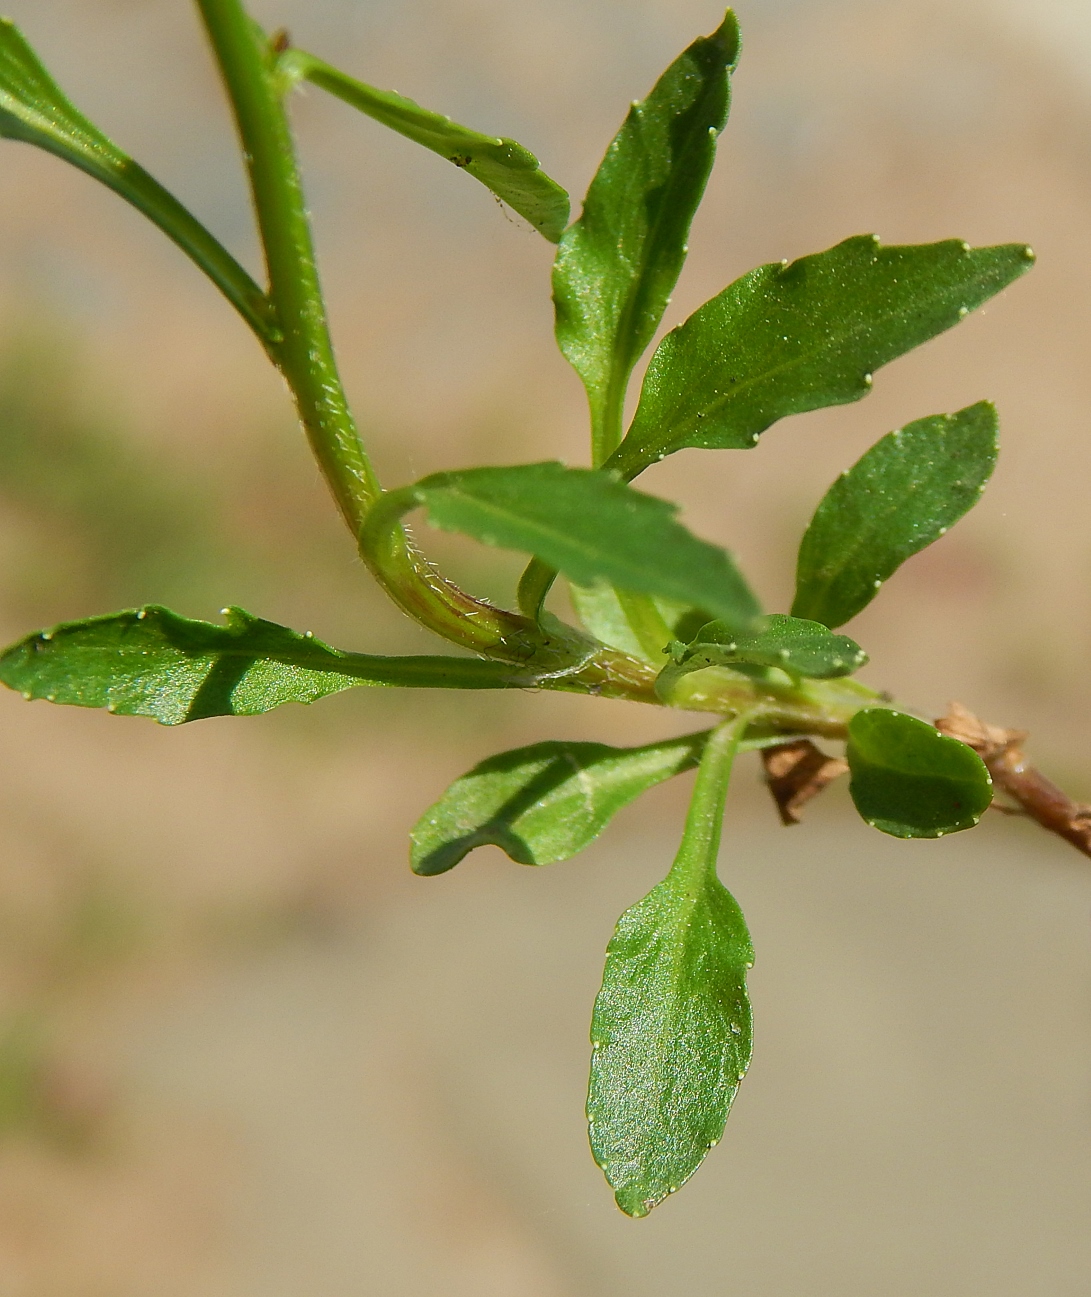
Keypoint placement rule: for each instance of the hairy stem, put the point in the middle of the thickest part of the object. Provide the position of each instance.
(1002, 752)
(305, 354)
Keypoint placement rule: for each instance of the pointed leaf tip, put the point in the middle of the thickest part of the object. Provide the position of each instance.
(618, 263)
(788, 338)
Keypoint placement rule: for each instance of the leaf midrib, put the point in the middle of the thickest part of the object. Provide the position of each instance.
(677, 429)
(354, 665)
(537, 527)
(862, 539)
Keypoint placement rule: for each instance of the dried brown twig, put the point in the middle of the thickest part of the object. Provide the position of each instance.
(1002, 752)
(796, 772)
(799, 771)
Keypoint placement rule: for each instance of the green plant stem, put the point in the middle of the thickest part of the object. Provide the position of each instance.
(607, 417)
(305, 354)
(647, 623)
(553, 651)
(535, 583)
(148, 196)
(696, 857)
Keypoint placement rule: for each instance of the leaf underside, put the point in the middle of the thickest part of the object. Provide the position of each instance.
(785, 339)
(672, 1038)
(909, 780)
(902, 495)
(510, 171)
(152, 662)
(592, 528)
(544, 803)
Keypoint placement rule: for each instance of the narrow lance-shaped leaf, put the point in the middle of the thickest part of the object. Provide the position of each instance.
(903, 494)
(671, 1030)
(618, 264)
(544, 803)
(803, 648)
(789, 338)
(34, 109)
(592, 528)
(909, 780)
(151, 662)
(509, 170)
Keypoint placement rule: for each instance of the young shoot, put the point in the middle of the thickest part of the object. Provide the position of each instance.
(667, 619)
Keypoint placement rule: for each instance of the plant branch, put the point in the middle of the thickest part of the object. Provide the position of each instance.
(305, 354)
(1002, 752)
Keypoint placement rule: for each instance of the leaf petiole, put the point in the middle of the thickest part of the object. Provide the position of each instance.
(696, 859)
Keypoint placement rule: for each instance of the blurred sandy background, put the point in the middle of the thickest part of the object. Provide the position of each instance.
(243, 1053)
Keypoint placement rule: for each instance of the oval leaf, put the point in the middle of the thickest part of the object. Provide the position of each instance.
(151, 662)
(804, 648)
(909, 780)
(789, 338)
(908, 489)
(672, 1033)
(592, 528)
(501, 165)
(543, 803)
(618, 264)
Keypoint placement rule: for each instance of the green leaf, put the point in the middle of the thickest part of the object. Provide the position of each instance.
(803, 648)
(543, 803)
(789, 338)
(618, 264)
(601, 613)
(672, 1031)
(909, 780)
(509, 170)
(151, 662)
(903, 494)
(592, 528)
(34, 109)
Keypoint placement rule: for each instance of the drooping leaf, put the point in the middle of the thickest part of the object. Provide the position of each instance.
(903, 494)
(35, 110)
(804, 648)
(509, 170)
(592, 528)
(543, 803)
(672, 1030)
(618, 264)
(911, 781)
(151, 662)
(788, 338)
